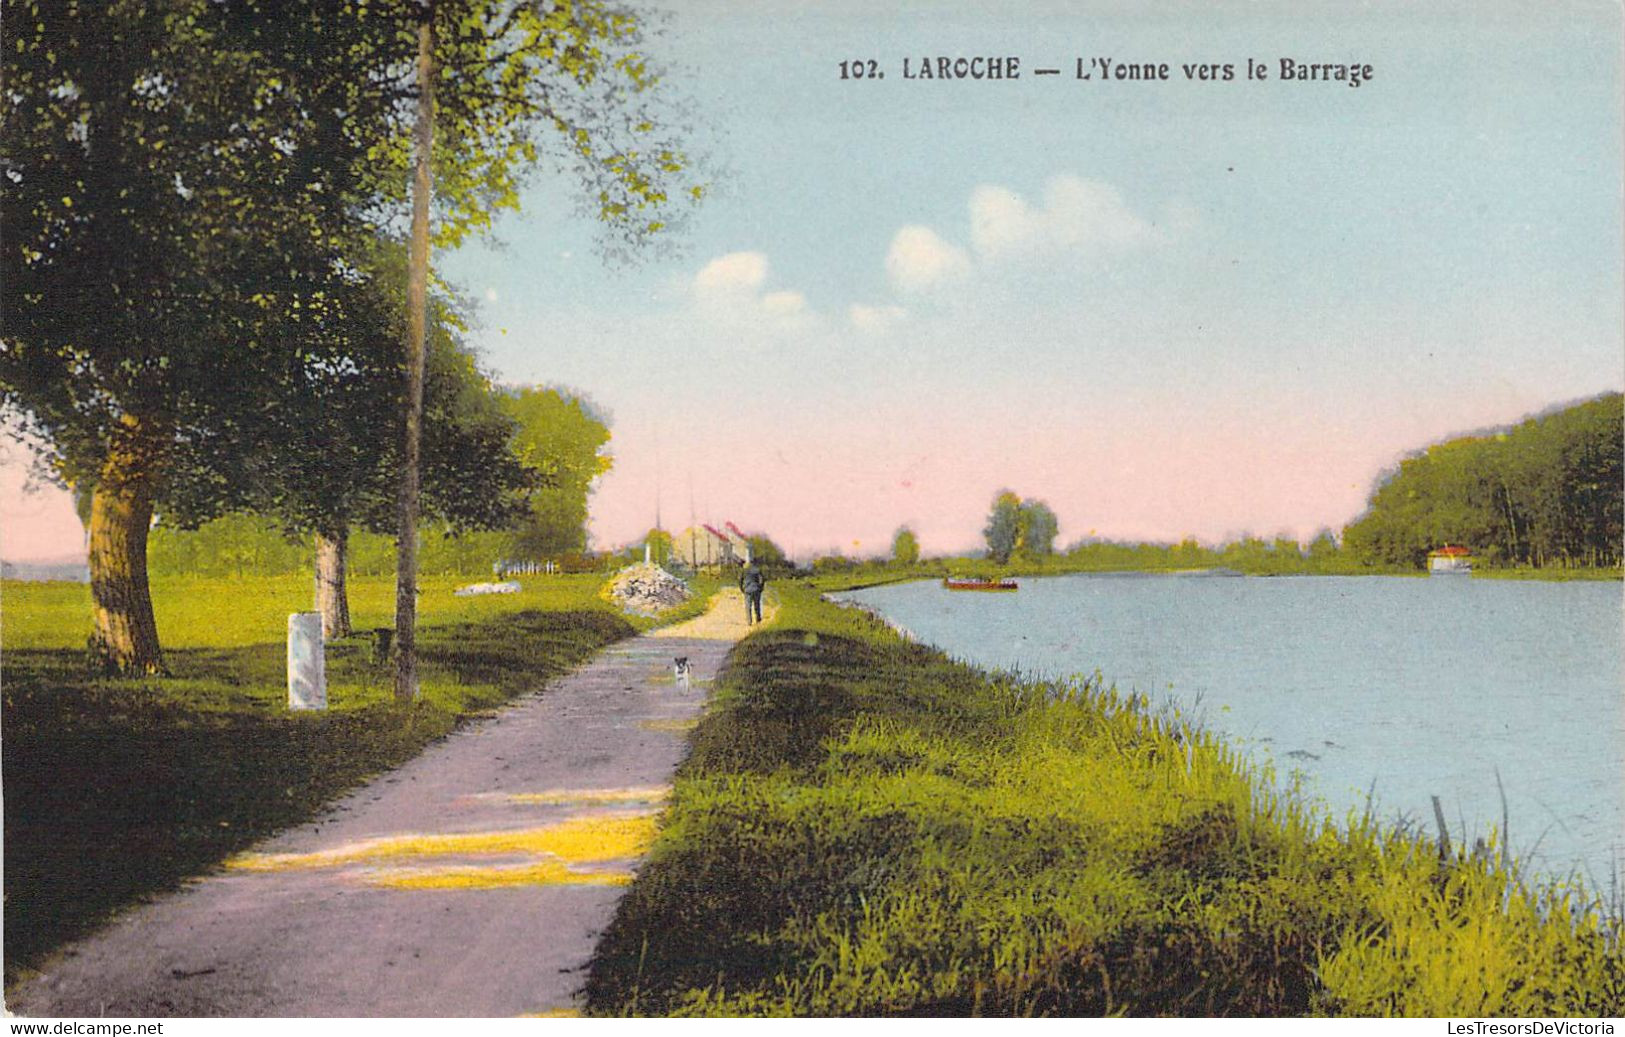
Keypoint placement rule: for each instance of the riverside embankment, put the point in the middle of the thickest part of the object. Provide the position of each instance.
(865, 826)
(1499, 697)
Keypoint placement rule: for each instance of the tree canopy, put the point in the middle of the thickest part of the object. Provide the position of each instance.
(191, 189)
(1019, 527)
(562, 436)
(174, 235)
(1545, 492)
(766, 553)
(905, 546)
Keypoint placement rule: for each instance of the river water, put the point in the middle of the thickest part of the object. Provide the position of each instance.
(1418, 687)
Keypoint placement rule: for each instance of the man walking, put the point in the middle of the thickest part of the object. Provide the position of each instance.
(751, 581)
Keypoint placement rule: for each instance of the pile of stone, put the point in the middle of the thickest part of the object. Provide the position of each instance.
(505, 587)
(646, 589)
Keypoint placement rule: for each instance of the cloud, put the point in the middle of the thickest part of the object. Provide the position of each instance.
(875, 319)
(729, 291)
(1075, 220)
(1076, 216)
(734, 273)
(784, 304)
(920, 260)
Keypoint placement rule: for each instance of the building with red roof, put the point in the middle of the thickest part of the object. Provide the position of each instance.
(1450, 559)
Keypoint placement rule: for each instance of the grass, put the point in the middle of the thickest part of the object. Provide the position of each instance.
(118, 789)
(1551, 573)
(864, 827)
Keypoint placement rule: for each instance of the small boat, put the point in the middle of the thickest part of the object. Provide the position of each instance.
(974, 584)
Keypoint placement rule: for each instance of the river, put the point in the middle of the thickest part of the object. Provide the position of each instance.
(1413, 687)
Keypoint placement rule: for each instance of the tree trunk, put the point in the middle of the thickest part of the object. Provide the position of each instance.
(332, 598)
(126, 635)
(417, 293)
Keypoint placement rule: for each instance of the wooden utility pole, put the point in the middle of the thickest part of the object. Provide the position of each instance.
(417, 301)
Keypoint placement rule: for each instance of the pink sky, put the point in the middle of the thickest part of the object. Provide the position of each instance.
(1222, 473)
(1169, 311)
(816, 485)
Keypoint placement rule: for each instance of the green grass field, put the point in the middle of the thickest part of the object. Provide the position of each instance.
(864, 827)
(117, 789)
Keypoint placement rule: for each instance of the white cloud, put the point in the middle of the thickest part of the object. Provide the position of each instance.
(490, 295)
(875, 318)
(733, 273)
(1076, 215)
(1075, 220)
(919, 259)
(729, 291)
(784, 304)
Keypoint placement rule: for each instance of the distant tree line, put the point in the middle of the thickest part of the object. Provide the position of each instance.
(1547, 492)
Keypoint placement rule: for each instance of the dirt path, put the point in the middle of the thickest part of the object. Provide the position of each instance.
(724, 620)
(473, 881)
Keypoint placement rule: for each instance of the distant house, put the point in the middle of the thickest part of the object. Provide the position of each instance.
(702, 546)
(740, 542)
(1450, 559)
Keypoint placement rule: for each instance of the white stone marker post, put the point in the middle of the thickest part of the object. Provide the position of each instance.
(307, 662)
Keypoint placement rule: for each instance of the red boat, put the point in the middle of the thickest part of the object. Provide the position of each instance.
(979, 585)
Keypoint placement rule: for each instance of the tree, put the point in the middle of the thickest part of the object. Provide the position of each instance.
(1019, 527)
(170, 222)
(342, 451)
(660, 546)
(508, 70)
(1038, 529)
(1323, 552)
(187, 175)
(562, 436)
(1544, 492)
(766, 553)
(905, 546)
(1003, 529)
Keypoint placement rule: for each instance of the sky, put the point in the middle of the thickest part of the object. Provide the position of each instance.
(1165, 308)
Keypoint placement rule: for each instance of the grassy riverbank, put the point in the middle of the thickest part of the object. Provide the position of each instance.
(864, 827)
(1553, 574)
(116, 789)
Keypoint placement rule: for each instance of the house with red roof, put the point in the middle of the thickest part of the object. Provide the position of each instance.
(1450, 559)
(704, 546)
(740, 542)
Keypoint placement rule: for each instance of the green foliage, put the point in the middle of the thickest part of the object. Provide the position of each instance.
(338, 439)
(905, 547)
(1323, 550)
(1003, 530)
(1038, 529)
(562, 436)
(233, 545)
(864, 827)
(767, 554)
(567, 86)
(1016, 527)
(661, 546)
(195, 190)
(243, 545)
(1547, 492)
(168, 244)
(835, 563)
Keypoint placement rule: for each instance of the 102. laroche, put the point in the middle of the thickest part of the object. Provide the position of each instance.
(942, 67)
